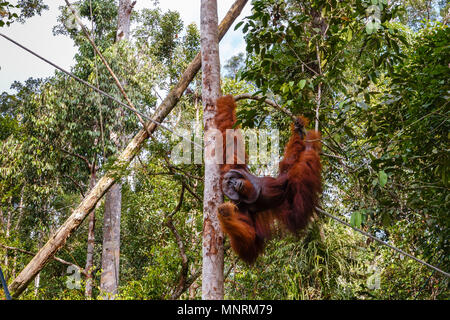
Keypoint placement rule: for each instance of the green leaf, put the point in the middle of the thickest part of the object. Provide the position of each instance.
(297, 30)
(349, 35)
(257, 49)
(349, 132)
(370, 27)
(356, 219)
(382, 178)
(238, 25)
(386, 220)
(302, 83)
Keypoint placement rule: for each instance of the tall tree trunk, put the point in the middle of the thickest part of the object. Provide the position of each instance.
(109, 281)
(91, 240)
(212, 272)
(37, 280)
(13, 271)
(123, 23)
(8, 228)
(124, 158)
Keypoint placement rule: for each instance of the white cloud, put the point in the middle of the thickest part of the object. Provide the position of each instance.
(36, 34)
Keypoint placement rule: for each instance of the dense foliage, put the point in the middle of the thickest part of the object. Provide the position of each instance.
(374, 75)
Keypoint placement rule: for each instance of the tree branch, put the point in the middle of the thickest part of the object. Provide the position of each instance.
(79, 156)
(80, 188)
(111, 72)
(267, 101)
(54, 258)
(184, 260)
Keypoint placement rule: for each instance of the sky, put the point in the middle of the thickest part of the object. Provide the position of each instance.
(36, 34)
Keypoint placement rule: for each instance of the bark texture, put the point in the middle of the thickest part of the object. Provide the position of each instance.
(59, 238)
(212, 249)
(123, 19)
(109, 281)
(91, 241)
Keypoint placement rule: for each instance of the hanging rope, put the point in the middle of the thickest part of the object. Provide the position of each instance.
(97, 90)
(383, 242)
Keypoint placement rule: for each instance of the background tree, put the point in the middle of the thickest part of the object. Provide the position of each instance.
(109, 281)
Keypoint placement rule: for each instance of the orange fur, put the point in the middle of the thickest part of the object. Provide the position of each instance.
(289, 198)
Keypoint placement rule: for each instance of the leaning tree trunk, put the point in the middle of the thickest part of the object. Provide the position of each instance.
(212, 272)
(91, 240)
(134, 146)
(109, 281)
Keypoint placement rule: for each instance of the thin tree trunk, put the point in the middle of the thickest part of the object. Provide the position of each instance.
(13, 271)
(89, 267)
(123, 23)
(134, 146)
(109, 281)
(212, 270)
(318, 101)
(8, 227)
(91, 240)
(37, 280)
(19, 218)
(111, 242)
(319, 89)
(67, 263)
